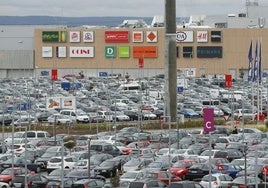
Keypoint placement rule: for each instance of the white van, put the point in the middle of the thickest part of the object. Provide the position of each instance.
(31, 135)
(76, 115)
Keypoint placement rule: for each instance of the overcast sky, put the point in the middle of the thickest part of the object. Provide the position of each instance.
(140, 8)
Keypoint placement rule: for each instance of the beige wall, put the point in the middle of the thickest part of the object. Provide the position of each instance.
(235, 43)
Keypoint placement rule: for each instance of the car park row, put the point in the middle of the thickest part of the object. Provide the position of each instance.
(138, 158)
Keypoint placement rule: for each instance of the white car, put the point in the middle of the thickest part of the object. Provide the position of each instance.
(55, 162)
(4, 185)
(20, 148)
(59, 119)
(148, 115)
(119, 116)
(81, 164)
(217, 181)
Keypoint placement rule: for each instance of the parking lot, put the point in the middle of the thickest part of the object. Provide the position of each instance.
(130, 156)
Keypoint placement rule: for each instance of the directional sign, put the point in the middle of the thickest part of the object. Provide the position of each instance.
(103, 74)
(180, 89)
(208, 124)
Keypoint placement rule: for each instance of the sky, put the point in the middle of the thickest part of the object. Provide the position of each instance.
(129, 8)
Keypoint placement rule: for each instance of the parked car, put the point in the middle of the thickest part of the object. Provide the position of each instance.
(59, 119)
(56, 162)
(227, 168)
(32, 180)
(88, 183)
(107, 168)
(181, 167)
(217, 180)
(8, 174)
(185, 184)
(251, 181)
(197, 171)
(147, 183)
(163, 176)
(131, 176)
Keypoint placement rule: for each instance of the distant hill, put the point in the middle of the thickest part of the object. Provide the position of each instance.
(71, 21)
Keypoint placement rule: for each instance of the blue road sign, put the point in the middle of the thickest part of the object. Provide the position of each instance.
(103, 74)
(180, 89)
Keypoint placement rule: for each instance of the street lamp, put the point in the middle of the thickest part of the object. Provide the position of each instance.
(169, 142)
(88, 167)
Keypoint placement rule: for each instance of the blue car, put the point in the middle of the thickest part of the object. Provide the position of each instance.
(189, 113)
(227, 168)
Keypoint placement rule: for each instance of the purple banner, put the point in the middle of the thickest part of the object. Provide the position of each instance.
(208, 123)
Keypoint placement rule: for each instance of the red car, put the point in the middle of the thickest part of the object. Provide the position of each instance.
(134, 145)
(180, 168)
(7, 174)
(163, 176)
(265, 173)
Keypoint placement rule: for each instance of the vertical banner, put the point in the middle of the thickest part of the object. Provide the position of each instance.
(54, 74)
(228, 80)
(208, 123)
(141, 62)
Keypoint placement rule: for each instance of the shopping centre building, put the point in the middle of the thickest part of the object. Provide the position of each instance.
(206, 51)
(34, 51)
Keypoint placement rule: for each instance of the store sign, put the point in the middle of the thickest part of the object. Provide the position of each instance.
(145, 51)
(137, 36)
(54, 36)
(202, 36)
(110, 51)
(124, 51)
(61, 51)
(209, 51)
(116, 36)
(47, 51)
(76, 51)
(151, 36)
(88, 36)
(74, 36)
(185, 36)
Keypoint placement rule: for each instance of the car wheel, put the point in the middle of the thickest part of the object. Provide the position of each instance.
(4, 186)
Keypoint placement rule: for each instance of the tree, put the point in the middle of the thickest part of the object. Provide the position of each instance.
(69, 142)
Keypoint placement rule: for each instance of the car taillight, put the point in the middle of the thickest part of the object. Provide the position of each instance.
(215, 183)
(241, 186)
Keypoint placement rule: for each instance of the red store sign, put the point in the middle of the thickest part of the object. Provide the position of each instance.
(116, 36)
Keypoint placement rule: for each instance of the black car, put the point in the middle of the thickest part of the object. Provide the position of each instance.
(197, 171)
(33, 180)
(108, 168)
(133, 115)
(20, 162)
(229, 154)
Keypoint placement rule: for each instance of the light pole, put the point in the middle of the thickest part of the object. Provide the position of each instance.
(88, 167)
(169, 142)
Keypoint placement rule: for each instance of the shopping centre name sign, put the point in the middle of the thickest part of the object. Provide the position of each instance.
(208, 123)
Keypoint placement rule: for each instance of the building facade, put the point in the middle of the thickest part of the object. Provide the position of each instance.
(200, 51)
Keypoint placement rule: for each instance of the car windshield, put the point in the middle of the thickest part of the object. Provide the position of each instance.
(129, 175)
(107, 164)
(155, 165)
(133, 162)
